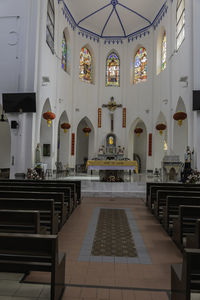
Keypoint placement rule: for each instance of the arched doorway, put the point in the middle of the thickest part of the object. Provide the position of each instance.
(180, 133)
(84, 145)
(137, 148)
(46, 135)
(160, 140)
(63, 145)
(5, 149)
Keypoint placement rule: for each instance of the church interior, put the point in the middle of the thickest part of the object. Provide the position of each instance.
(100, 151)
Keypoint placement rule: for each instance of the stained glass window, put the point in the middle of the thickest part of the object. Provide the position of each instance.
(180, 22)
(50, 25)
(140, 71)
(85, 65)
(164, 52)
(112, 70)
(64, 53)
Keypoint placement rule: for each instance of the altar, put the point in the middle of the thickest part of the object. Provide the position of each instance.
(112, 170)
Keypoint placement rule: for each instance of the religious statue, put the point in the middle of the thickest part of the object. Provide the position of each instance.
(188, 158)
(112, 105)
(38, 154)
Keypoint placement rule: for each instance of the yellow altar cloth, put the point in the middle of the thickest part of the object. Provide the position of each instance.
(112, 165)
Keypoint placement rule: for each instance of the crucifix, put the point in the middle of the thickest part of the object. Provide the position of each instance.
(112, 105)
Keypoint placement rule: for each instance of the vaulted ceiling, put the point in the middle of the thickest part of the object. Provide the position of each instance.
(114, 18)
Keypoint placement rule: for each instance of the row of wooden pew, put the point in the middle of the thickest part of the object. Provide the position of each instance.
(31, 215)
(177, 208)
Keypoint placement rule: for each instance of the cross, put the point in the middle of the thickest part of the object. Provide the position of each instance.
(112, 105)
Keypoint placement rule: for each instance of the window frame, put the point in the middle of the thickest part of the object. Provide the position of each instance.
(180, 31)
(50, 25)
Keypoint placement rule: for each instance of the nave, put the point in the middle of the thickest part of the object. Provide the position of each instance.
(146, 277)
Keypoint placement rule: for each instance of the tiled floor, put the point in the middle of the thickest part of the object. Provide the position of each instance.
(89, 279)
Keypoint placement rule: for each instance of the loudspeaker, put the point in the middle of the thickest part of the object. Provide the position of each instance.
(14, 124)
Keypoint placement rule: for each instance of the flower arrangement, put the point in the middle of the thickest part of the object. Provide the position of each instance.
(33, 174)
(193, 177)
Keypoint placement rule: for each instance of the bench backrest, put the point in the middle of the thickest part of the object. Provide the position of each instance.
(191, 269)
(30, 247)
(20, 221)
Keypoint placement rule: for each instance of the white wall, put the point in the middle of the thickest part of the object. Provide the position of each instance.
(66, 92)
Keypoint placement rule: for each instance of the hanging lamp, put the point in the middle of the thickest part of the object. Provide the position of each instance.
(86, 130)
(179, 117)
(160, 127)
(65, 126)
(49, 116)
(138, 131)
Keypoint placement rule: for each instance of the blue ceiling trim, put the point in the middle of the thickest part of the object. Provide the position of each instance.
(120, 22)
(106, 22)
(114, 39)
(133, 11)
(96, 11)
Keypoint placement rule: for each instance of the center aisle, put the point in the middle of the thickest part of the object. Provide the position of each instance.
(90, 278)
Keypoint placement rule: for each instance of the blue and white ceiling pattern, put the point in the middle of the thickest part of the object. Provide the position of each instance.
(114, 20)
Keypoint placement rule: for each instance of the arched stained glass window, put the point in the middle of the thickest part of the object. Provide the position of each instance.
(64, 53)
(140, 64)
(85, 65)
(180, 22)
(164, 52)
(50, 25)
(112, 70)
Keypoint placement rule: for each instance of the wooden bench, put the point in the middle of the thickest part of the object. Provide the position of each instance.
(184, 226)
(171, 210)
(153, 187)
(160, 201)
(48, 216)
(21, 221)
(185, 277)
(45, 189)
(193, 241)
(34, 252)
(76, 182)
(58, 198)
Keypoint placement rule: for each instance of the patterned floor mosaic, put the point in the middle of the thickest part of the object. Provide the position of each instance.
(113, 236)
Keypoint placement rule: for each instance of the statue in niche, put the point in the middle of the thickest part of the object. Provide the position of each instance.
(38, 154)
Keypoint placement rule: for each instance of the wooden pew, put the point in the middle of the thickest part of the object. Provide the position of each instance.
(184, 226)
(185, 277)
(33, 188)
(60, 205)
(48, 216)
(153, 187)
(160, 201)
(34, 252)
(193, 241)
(171, 210)
(76, 190)
(20, 221)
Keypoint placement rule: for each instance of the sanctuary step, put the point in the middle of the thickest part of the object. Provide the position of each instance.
(113, 189)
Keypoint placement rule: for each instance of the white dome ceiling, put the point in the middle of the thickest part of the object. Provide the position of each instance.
(114, 18)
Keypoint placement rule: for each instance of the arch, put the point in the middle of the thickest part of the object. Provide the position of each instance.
(63, 141)
(113, 69)
(180, 133)
(84, 144)
(161, 50)
(65, 61)
(140, 65)
(180, 23)
(137, 145)
(160, 141)
(5, 149)
(46, 137)
(86, 64)
(50, 25)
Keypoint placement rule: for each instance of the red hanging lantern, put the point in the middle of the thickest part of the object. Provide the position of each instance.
(161, 127)
(138, 131)
(49, 116)
(65, 126)
(180, 116)
(87, 130)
